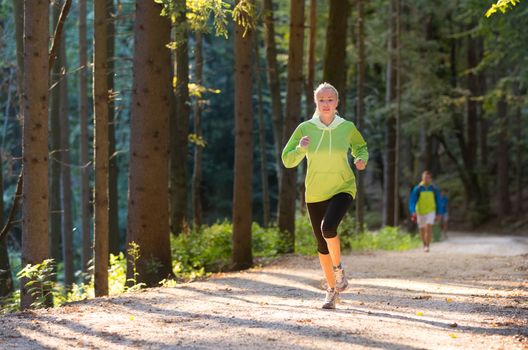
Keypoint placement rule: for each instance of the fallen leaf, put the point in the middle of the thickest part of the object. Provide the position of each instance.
(453, 335)
(131, 318)
(424, 297)
(449, 300)
(453, 325)
(419, 313)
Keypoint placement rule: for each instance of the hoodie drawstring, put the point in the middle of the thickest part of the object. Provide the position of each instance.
(321, 140)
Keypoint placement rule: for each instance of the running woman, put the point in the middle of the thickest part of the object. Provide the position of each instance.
(424, 204)
(325, 141)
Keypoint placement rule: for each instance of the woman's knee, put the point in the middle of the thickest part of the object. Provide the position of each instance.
(329, 230)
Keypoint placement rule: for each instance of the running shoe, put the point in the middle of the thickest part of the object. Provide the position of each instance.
(341, 280)
(330, 298)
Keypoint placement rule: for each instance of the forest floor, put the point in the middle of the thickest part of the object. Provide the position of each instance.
(469, 292)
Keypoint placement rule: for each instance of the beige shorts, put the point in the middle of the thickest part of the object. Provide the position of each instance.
(427, 219)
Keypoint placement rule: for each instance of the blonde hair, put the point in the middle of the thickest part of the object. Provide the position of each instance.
(321, 87)
(324, 86)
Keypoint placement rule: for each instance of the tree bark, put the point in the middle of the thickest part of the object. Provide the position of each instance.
(181, 128)
(148, 211)
(262, 139)
(243, 171)
(273, 82)
(55, 204)
(389, 189)
(66, 183)
(35, 194)
(334, 70)
(360, 41)
(114, 239)
(288, 184)
(197, 167)
(503, 164)
(100, 96)
(83, 114)
(309, 86)
(519, 161)
(6, 281)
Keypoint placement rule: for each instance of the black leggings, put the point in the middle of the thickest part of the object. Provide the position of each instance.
(325, 218)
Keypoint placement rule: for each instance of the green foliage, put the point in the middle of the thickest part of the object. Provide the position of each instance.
(387, 238)
(134, 254)
(39, 283)
(502, 6)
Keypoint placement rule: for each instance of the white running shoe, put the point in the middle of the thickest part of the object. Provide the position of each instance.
(330, 298)
(341, 280)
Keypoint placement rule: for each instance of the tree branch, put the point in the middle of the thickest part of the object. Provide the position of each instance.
(58, 32)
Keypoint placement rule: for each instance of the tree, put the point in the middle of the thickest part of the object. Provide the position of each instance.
(503, 164)
(6, 281)
(273, 81)
(287, 188)
(360, 111)
(66, 183)
(83, 113)
(113, 170)
(334, 70)
(35, 193)
(389, 170)
(100, 97)
(180, 128)
(55, 215)
(148, 211)
(197, 167)
(243, 170)
(262, 139)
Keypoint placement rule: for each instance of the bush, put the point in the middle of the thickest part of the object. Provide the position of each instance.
(387, 238)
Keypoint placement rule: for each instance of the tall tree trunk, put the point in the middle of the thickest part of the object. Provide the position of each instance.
(35, 192)
(288, 184)
(18, 14)
(197, 167)
(334, 70)
(179, 153)
(6, 281)
(114, 239)
(148, 211)
(309, 86)
(519, 161)
(66, 183)
(273, 82)
(83, 113)
(55, 216)
(389, 190)
(243, 172)
(360, 42)
(503, 189)
(100, 96)
(397, 115)
(262, 139)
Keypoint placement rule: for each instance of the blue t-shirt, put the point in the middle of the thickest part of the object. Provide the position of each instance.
(442, 205)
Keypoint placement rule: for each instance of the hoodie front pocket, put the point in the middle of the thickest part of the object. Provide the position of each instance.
(323, 184)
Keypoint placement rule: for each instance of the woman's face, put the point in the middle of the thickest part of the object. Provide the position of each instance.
(326, 101)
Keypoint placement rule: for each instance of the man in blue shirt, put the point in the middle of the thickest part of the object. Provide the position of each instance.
(443, 212)
(423, 207)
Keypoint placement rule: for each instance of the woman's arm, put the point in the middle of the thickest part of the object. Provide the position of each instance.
(293, 153)
(359, 147)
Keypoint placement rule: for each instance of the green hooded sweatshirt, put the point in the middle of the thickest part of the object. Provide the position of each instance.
(328, 170)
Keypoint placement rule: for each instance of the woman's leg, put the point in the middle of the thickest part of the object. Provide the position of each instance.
(316, 211)
(335, 212)
(328, 269)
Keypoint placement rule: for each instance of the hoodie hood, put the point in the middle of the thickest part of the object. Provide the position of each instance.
(317, 121)
(320, 125)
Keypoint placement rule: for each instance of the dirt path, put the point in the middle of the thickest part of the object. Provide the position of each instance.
(468, 293)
